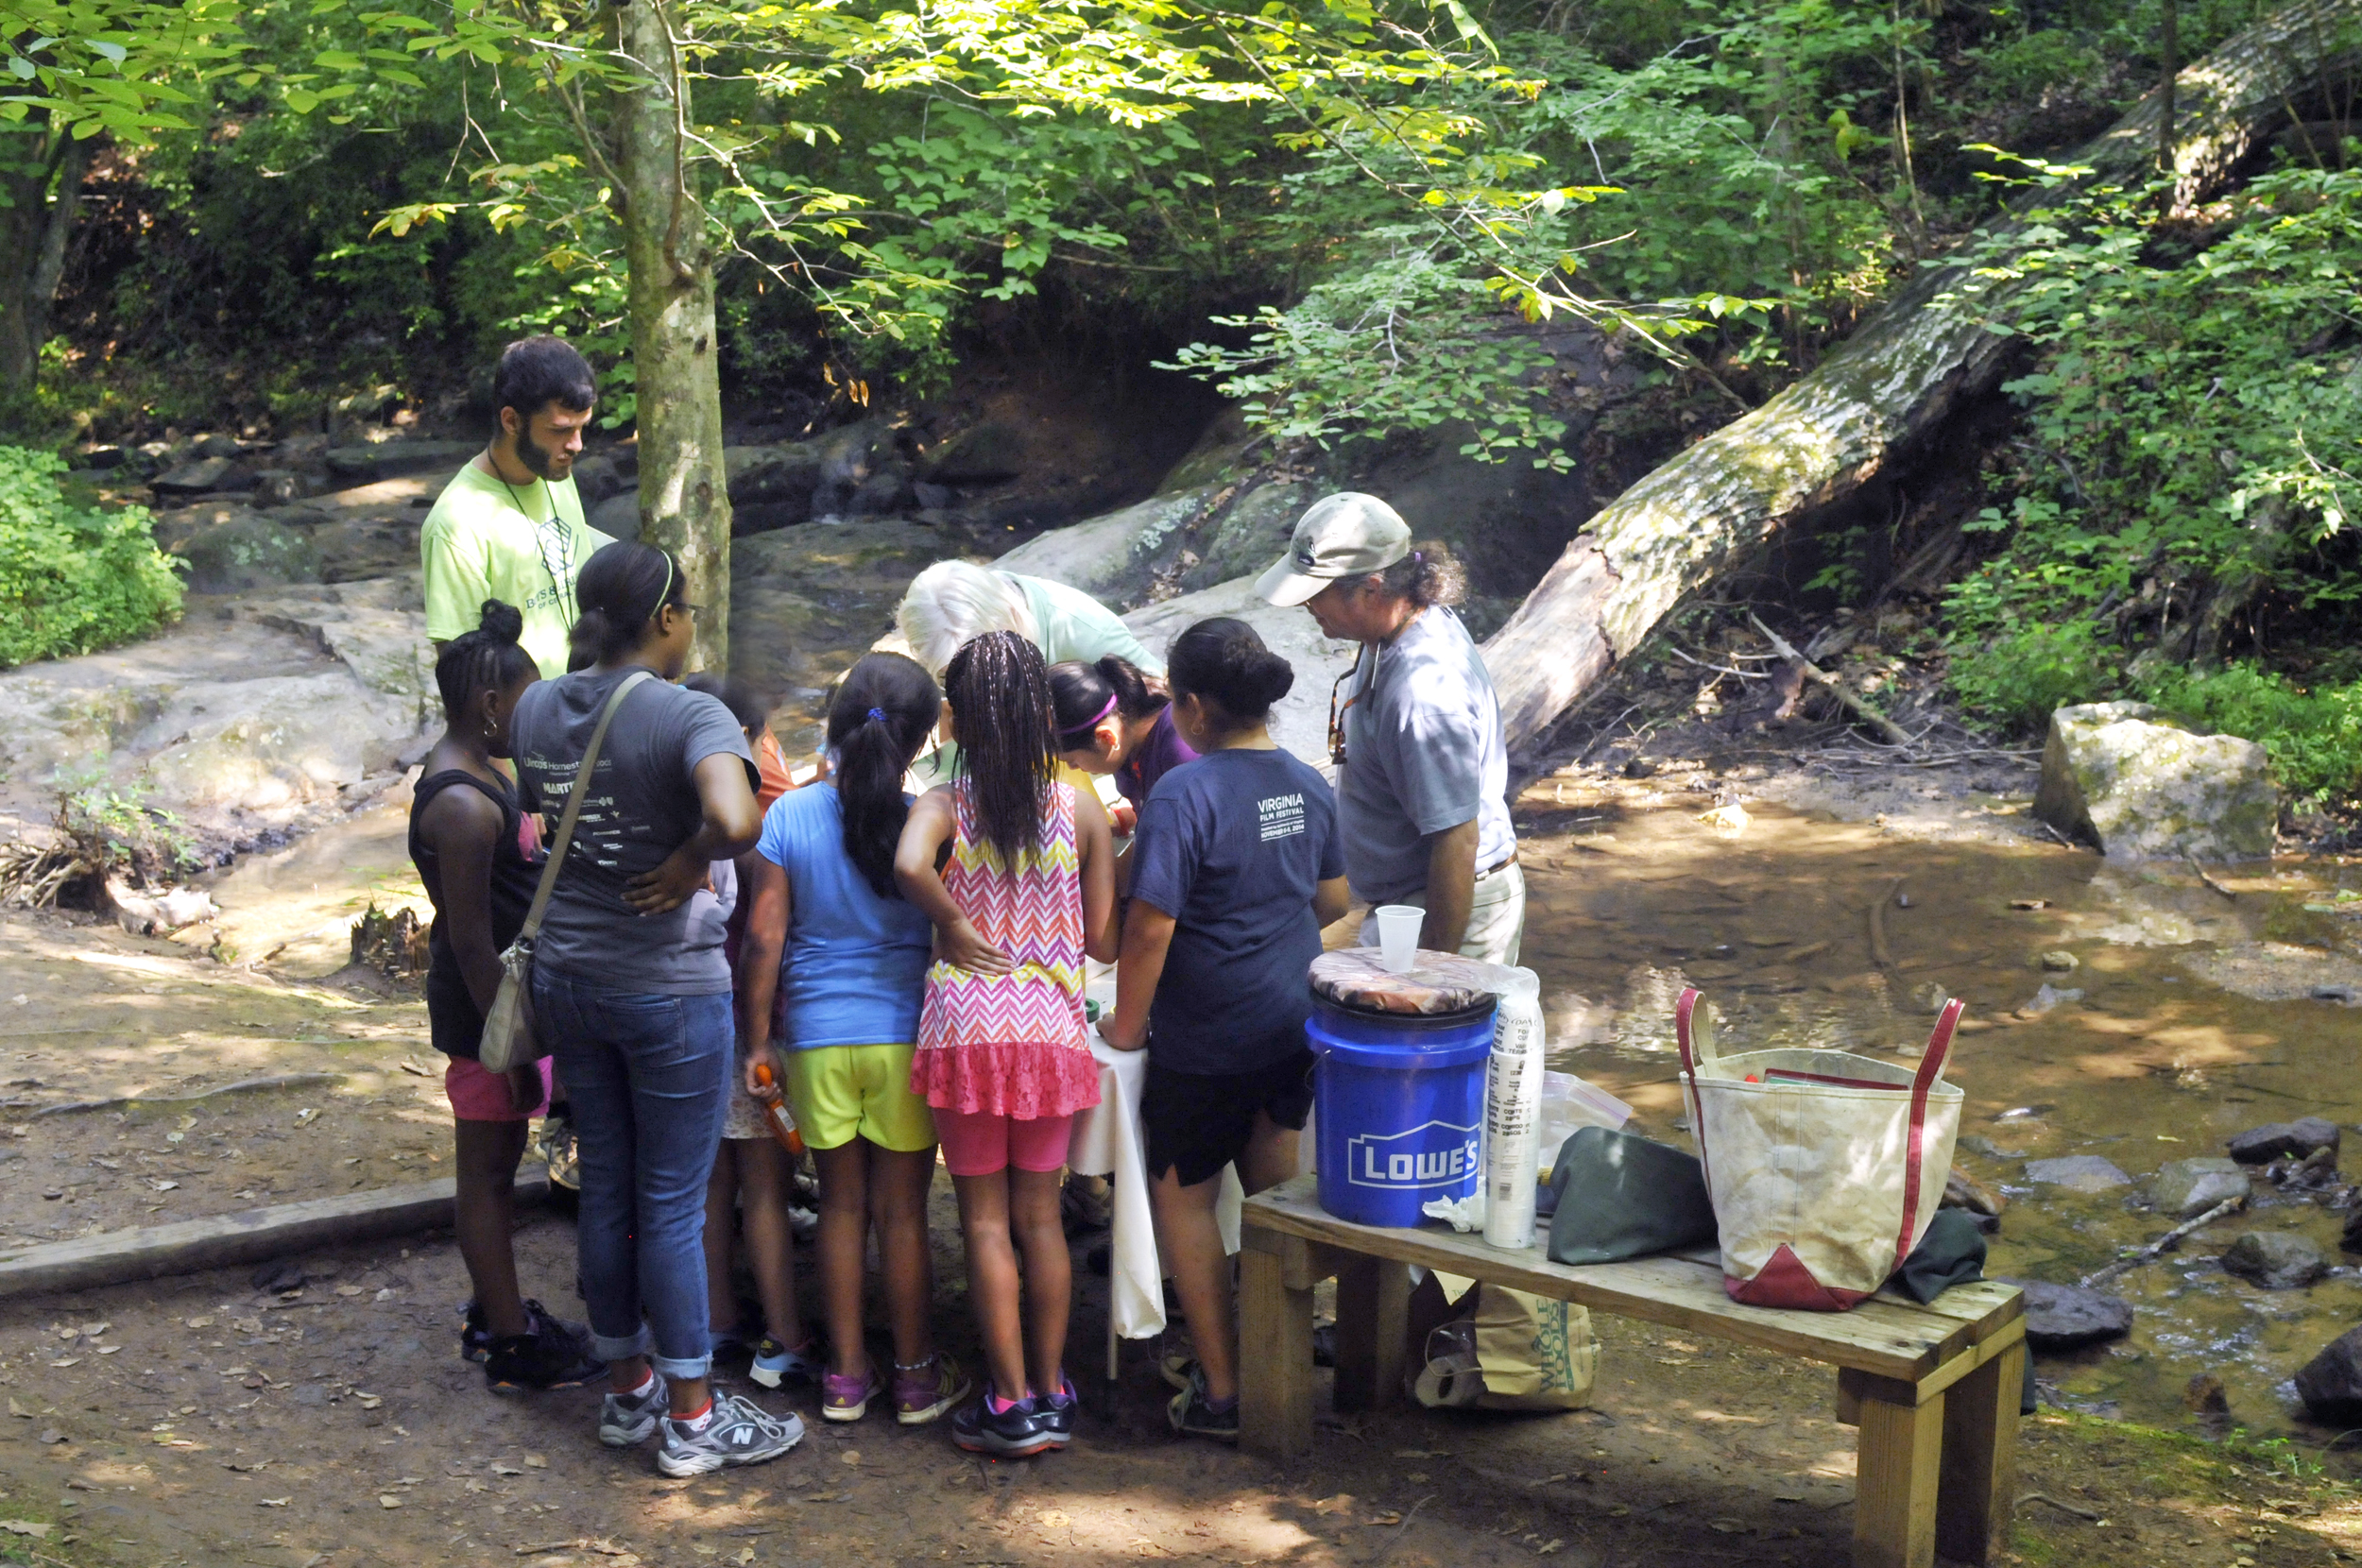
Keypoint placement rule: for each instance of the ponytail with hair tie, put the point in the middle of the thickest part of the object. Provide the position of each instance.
(882, 715)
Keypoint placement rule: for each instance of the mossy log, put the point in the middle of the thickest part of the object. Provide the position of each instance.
(1875, 398)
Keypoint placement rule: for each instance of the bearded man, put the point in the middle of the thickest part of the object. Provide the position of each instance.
(510, 525)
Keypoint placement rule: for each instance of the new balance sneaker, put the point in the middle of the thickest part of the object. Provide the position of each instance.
(626, 1421)
(735, 1431)
(1194, 1414)
(1011, 1432)
(550, 1356)
(1057, 1412)
(925, 1393)
(774, 1364)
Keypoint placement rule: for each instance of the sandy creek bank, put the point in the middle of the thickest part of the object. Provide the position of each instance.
(197, 1420)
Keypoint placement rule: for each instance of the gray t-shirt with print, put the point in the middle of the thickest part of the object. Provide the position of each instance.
(645, 807)
(1424, 752)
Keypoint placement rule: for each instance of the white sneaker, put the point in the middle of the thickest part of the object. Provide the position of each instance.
(626, 1421)
(736, 1431)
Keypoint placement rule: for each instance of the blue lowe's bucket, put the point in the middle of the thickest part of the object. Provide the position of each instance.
(1401, 1107)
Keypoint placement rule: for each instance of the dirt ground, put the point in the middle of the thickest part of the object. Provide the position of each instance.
(201, 1420)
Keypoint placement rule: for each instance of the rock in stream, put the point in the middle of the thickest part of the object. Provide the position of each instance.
(2275, 1260)
(2077, 1173)
(2331, 1383)
(2271, 1141)
(2064, 1317)
(2188, 1188)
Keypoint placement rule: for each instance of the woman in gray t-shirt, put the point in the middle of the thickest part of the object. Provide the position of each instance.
(631, 988)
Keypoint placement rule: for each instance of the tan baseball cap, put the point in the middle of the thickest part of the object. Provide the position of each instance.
(1346, 535)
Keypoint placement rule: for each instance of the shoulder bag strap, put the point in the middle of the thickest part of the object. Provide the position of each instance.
(1923, 1083)
(574, 805)
(1697, 1047)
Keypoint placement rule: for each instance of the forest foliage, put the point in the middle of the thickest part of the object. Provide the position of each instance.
(1350, 217)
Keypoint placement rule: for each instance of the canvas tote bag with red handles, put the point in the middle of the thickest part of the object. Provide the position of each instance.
(1825, 1167)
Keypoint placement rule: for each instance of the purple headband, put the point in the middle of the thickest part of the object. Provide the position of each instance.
(1091, 722)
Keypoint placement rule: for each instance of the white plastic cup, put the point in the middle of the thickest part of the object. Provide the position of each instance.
(1398, 935)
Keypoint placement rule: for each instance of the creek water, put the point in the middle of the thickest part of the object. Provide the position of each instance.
(2187, 1017)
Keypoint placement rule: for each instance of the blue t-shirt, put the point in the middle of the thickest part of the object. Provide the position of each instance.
(855, 965)
(1233, 846)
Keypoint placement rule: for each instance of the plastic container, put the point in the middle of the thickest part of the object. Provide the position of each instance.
(1512, 1112)
(1398, 1102)
(1398, 927)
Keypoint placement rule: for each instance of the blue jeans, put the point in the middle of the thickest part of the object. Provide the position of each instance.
(647, 1075)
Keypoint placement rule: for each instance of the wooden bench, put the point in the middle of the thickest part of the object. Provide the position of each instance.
(1934, 1389)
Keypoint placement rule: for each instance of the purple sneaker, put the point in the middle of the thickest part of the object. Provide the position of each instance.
(924, 1394)
(845, 1398)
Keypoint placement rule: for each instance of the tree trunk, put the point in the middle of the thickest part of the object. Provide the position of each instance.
(684, 496)
(1869, 402)
(34, 228)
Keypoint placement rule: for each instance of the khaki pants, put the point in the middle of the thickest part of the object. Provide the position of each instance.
(1497, 917)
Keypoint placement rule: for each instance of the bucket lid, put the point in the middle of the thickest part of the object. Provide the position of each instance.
(1439, 984)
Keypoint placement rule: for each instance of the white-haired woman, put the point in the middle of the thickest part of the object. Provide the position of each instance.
(953, 603)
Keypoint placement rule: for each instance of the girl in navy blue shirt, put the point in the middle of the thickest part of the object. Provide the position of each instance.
(1236, 868)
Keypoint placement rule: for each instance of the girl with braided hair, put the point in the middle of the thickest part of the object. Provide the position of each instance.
(464, 839)
(1015, 869)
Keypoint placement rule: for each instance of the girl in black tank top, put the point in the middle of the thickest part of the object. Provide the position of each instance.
(465, 826)
(453, 1019)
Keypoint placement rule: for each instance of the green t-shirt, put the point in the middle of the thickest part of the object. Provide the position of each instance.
(1074, 625)
(477, 545)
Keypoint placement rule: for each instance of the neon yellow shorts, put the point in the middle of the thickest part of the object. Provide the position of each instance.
(841, 1093)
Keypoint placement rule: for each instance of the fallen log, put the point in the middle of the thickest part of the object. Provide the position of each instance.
(1872, 402)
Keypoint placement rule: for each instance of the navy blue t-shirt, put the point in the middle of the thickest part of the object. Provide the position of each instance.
(1233, 846)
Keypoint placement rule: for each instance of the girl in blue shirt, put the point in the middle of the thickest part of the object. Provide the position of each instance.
(846, 957)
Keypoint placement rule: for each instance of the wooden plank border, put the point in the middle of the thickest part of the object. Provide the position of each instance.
(253, 1236)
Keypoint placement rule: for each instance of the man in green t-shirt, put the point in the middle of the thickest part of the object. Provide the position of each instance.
(510, 525)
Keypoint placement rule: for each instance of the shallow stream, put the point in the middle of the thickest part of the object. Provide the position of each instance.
(2187, 1017)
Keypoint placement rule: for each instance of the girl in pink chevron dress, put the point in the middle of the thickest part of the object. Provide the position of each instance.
(1017, 873)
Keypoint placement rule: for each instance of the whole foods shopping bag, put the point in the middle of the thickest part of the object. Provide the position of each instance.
(1825, 1167)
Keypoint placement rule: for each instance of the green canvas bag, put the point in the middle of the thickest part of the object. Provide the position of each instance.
(1621, 1195)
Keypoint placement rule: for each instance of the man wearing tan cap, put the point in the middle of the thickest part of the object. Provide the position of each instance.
(1415, 728)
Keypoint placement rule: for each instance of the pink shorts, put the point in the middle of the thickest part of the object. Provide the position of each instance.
(980, 1144)
(476, 1095)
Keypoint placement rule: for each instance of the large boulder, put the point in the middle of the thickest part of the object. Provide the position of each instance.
(2148, 789)
(2184, 1189)
(1116, 558)
(261, 707)
(1300, 722)
(245, 553)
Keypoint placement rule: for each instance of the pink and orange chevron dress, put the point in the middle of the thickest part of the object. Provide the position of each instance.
(1011, 1045)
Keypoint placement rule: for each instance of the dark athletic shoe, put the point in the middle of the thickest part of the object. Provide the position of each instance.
(1056, 1413)
(552, 1355)
(475, 1340)
(1010, 1434)
(1193, 1416)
